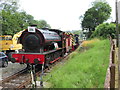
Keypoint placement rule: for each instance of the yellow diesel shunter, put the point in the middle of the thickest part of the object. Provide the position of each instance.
(9, 44)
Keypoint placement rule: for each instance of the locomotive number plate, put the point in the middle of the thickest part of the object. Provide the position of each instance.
(31, 29)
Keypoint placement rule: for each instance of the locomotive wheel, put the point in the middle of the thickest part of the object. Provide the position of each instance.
(51, 57)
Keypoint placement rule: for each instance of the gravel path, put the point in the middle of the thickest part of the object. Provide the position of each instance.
(11, 69)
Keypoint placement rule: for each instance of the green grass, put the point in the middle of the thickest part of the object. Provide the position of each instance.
(85, 69)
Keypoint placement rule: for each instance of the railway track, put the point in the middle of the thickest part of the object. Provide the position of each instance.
(23, 78)
(14, 80)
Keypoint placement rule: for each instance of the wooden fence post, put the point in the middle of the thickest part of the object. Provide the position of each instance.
(113, 56)
(113, 46)
(112, 77)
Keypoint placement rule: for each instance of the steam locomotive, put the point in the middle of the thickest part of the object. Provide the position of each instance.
(43, 46)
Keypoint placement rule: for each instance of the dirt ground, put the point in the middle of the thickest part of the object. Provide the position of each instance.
(11, 69)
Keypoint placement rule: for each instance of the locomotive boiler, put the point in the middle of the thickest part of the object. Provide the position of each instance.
(37, 40)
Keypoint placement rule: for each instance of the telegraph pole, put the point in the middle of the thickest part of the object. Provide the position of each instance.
(117, 31)
(118, 38)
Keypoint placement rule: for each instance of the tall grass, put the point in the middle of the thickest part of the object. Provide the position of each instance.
(83, 69)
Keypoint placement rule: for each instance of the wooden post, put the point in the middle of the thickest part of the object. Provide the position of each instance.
(119, 67)
(117, 31)
(113, 56)
(113, 46)
(112, 77)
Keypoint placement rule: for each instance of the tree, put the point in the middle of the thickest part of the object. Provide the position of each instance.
(97, 14)
(10, 17)
(41, 24)
(14, 20)
(104, 30)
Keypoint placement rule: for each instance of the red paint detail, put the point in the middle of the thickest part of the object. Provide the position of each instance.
(55, 60)
(51, 40)
(21, 58)
(73, 48)
(68, 41)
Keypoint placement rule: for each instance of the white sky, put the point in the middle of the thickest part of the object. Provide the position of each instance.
(60, 14)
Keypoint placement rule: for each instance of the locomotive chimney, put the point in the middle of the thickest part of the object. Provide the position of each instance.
(33, 25)
(32, 28)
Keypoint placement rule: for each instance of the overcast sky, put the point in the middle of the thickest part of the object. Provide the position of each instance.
(60, 14)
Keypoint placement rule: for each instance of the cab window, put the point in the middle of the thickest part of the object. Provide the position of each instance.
(8, 38)
(3, 38)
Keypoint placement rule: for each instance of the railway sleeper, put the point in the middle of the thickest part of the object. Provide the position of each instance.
(10, 85)
(17, 81)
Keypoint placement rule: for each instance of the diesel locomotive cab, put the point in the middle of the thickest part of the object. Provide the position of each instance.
(35, 40)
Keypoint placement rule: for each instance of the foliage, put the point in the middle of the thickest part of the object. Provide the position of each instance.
(104, 30)
(14, 20)
(119, 28)
(41, 24)
(76, 32)
(83, 69)
(97, 14)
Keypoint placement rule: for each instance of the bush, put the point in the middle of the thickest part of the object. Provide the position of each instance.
(104, 30)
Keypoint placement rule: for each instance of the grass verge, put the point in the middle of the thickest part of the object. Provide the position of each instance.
(86, 69)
